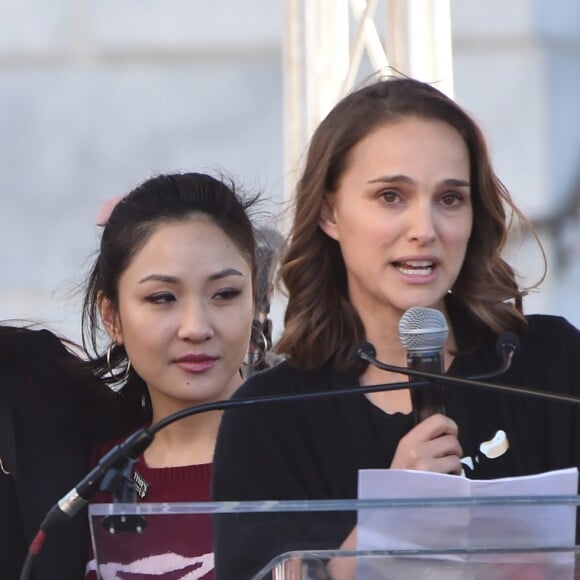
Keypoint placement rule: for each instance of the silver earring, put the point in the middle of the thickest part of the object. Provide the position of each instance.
(115, 377)
(3, 469)
(109, 349)
(258, 348)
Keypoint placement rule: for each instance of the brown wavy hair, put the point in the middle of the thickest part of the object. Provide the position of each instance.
(320, 321)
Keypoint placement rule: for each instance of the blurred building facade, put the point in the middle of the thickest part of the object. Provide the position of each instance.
(517, 70)
(98, 96)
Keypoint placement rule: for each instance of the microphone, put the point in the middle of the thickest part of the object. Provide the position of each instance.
(506, 346)
(423, 333)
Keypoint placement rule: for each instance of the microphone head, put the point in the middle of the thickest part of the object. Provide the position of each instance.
(423, 329)
(365, 348)
(507, 344)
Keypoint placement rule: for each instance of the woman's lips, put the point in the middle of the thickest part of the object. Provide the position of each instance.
(196, 363)
(416, 270)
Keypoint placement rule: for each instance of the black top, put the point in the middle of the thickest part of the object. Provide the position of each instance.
(314, 449)
(51, 412)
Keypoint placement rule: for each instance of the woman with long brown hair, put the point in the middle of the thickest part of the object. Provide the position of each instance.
(398, 206)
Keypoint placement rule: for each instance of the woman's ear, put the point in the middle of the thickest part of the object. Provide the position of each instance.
(326, 220)
(108, 312)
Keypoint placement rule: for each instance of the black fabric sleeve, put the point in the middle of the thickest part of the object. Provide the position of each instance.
(50, 445)
(246, 542)
(563, 437)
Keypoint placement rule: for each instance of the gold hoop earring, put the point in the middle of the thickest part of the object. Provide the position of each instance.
(117, 378)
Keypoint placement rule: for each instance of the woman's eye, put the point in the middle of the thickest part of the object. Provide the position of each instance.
(160, 298)
(390, 196)
(227, 294)
(452, 199)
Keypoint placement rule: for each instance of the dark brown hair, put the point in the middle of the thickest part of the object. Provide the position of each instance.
(320, 321)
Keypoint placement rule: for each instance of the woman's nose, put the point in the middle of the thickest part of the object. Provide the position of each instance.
(195, 324)
(421, 225)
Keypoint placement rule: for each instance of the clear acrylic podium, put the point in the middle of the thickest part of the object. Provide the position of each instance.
(500, 554)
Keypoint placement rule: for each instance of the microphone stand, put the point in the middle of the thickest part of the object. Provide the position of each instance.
(132, 447)
(367, 356)
(113, 465)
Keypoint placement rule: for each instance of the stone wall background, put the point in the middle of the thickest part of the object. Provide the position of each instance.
(96, 96)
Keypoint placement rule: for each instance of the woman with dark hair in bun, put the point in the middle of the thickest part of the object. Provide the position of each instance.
(172, 292)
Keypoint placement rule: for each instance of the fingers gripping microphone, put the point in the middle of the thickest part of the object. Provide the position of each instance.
(423, 333)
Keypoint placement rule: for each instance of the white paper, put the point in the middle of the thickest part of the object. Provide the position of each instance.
(473, 527)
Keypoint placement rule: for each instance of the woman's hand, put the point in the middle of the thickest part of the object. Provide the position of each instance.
(432, 445)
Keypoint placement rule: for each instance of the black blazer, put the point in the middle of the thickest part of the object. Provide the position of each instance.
(51, 412)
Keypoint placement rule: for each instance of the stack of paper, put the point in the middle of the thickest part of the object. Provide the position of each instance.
(478, 534)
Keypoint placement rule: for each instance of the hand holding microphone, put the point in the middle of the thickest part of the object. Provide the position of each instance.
(432, 445)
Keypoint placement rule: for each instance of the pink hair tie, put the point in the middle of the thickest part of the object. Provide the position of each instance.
(107, 209)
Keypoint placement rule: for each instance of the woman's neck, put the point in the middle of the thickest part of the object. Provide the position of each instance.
(189, 441)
